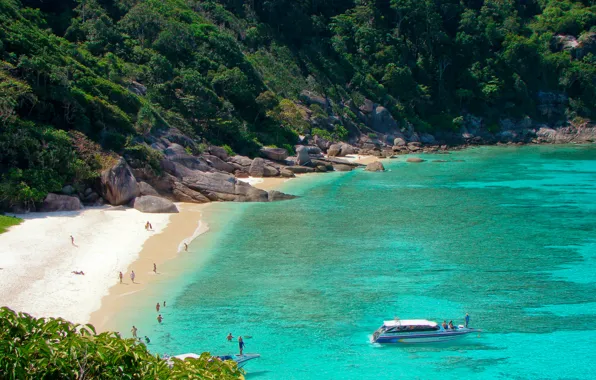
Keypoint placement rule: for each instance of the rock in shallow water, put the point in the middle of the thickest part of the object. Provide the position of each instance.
(375, 167)
(415, 159)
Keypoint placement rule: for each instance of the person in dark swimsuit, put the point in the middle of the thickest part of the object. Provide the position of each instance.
(240, 344)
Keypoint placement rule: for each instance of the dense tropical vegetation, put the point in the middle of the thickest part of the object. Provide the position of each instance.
(32, 348)
(81, 80)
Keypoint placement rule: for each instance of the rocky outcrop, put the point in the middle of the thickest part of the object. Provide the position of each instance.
(219, 164)
(182, 193)
(218, 152)
(302, 156)
(376, 166)
(310, 97)
(59, 202)
(565, 135)
(300, 169)
(177, 153)
(153, 204)
(399, 141)
(342, 168)
(340, 150)
(137, 88)
(275, 195)
(287, 173)
(260, 168)
(382, 120)
(275, 154)
(146, 189)
(223, 187)
(322, 143)
(118, 185)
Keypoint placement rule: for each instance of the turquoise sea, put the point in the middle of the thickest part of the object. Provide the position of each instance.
(504, 234)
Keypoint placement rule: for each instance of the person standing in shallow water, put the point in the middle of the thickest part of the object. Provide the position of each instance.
(240, 344)
(467, 319)
(164, 303)
(159, 318)
(230, 337)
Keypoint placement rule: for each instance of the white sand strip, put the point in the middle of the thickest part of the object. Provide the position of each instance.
(202, 227)
(37, 259)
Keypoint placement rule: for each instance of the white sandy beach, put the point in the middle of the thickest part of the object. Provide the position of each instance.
(37, 258)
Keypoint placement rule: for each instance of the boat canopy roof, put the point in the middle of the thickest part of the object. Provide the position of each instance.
(409, 322)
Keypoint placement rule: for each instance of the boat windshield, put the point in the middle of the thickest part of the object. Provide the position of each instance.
(412, 328)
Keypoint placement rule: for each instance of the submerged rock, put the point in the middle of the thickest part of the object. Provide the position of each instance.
(415, 159)
(275, 195)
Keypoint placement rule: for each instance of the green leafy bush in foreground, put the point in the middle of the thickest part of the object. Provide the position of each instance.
(32, 348)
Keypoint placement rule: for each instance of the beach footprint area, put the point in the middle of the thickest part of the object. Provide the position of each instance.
(504, 234)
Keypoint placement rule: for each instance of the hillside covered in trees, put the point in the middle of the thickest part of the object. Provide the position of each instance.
(84, 81)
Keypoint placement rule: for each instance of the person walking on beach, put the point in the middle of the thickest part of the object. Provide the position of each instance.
(157, 307)
(159, 318)
(132, 276)
(148, 226)
(120, 275)
(134, 332)
(72, 241)
(154, 268)
(240, 344)
(467, 319)
(185, 247)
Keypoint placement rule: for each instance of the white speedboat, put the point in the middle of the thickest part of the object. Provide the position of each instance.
(418, 331)
(240, 360)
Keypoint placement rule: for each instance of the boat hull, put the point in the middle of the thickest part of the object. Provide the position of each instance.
(422, 338)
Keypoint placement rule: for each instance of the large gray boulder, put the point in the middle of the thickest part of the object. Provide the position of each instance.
(181, 193)
(260, 168)
(399, 141)
(223, 187)
(367, 106)
(153, 204)
(322, 143)
(342, 167)
(340, 150)
(118, 185)
(382, 120)
(302, 157)
(242, 161)
(146, 189)
(218, 164)
(219, 152)
(300, 169)
(59, 202)
(275, 154)
(376, 166)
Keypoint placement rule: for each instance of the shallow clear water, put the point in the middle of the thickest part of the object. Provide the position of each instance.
(506, 235)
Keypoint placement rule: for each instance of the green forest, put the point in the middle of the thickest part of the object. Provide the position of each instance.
(83, 81)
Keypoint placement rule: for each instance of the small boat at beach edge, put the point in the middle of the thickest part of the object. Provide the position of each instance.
(412, 331)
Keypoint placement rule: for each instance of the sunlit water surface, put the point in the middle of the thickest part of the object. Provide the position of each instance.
(504, 234)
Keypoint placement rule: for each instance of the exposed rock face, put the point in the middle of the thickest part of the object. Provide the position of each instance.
(322, 143)
(275, 154)
(340, 150)
(300, 169)
(279, 196)
(219, 152)
(414, 159)
(137, 88)
(569, 134)
(218, 164)
(311, 98)
(241, 160)
(259, 168)
(153, 204)
(382, 121)
(58, 202)
(287, 173)
(302, 157)
(183, 194)
(176, 153)
(399, 141)
(146, 189)
(367, 106)
(118, 185)
(223, 187)
(342, 168)
(375, 167)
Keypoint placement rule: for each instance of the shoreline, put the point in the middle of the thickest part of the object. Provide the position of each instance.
(38, 258)
(184, 227)
(45, 287)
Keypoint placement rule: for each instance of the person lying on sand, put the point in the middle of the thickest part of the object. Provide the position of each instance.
(78, 272)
